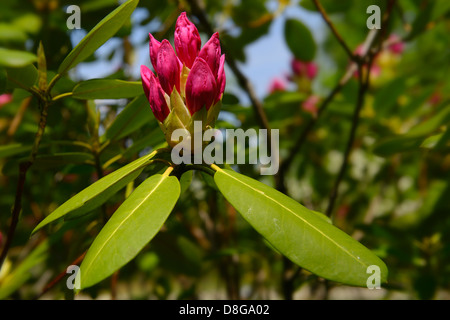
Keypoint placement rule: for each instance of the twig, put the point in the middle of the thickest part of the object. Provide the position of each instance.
(334, 30)
(363, 86)
(23, 169)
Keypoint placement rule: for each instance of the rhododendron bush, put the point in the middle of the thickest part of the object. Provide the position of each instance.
(149, 151)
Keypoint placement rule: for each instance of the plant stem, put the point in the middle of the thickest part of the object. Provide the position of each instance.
(23, 169)
(334, 30)
(53, 82)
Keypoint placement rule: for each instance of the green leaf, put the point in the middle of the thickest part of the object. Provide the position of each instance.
(15, 58)
(29, 23)
(23, 77)
(99, 192)
(11, 34)
(107, 89)
(299, 40)
(102, 32)
(130, 228)
(387, 96)
(300, 234)
(397, 144)
(42, 68)
(441, 7)
(21, 273)
(13, 149)
(186, 180)
(3, 80)
(153, 139)
(135, 115)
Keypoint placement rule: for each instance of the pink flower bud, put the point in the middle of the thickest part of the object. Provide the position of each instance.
(168, 67)
(154, 94)
(211, 53)
(187, 40)
(302, 69)
(310, 105)
(154, 47)
(221, 79)
(187, 79)
(201, 88)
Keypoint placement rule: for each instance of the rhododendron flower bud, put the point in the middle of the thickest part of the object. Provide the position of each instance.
(304, 69)
(189, 81)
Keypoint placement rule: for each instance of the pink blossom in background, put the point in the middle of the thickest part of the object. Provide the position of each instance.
(277, 85)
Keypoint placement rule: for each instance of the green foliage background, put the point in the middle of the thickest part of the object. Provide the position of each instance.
(393, 198)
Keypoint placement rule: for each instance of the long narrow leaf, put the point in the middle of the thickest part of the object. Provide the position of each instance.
(99, 192)
(130, 228)
(300, 234)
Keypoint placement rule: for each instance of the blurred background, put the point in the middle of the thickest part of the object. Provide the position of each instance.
(392, 197)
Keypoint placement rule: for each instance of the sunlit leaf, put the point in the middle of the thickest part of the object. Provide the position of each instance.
(21, 273)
